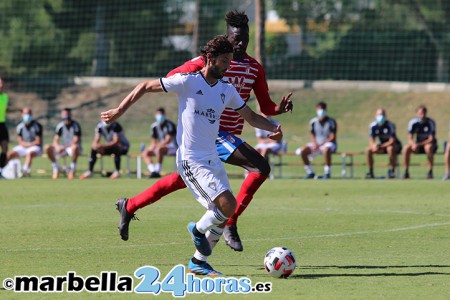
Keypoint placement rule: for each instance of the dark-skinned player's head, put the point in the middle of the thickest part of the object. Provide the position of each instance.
(238, 32)
(217, 54)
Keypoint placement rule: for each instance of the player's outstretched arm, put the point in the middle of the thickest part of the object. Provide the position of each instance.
(259, 121)
(150, 86)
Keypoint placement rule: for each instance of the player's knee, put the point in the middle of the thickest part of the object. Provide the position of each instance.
(264, 167)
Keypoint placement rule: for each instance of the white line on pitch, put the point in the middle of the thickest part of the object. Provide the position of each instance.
(332, 235)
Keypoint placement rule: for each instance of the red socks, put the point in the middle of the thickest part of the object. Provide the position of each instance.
(249, 187)
(161, 188)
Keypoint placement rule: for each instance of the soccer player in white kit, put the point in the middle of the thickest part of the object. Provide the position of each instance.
(202, 97)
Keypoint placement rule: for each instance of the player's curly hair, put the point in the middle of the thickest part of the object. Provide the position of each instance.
(217, 46)
(235, 18)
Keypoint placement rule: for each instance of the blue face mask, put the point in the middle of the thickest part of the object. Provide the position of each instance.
(26, 118)
(380, 119)
(160, 118)
(321, 113)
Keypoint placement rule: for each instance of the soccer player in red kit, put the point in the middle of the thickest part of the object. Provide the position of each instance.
(246, 74)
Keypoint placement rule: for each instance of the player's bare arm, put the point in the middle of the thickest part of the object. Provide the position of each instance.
(150, 86)
(115, 141)
(429, 140)
(259, 121)
(390, 142)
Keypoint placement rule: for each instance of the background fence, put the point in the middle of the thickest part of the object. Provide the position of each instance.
(50, 40)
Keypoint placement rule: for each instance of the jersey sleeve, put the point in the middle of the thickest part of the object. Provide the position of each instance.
(195, 64)
(372, 130)
(153, 131)
(98, 129)
(173, 83)
(58, 130)
(117, 128)
(261, 90)
(432, 128)
(172, 129)
(311, 127)
(333, 126)
(19, 129)
(76, 129)
(235, 101)
(411, 126)
(392, 131)
(38, 129)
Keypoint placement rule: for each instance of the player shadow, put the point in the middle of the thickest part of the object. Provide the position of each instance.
(301, 275)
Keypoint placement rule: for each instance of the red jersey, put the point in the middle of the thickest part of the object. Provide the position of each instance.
(245, 75)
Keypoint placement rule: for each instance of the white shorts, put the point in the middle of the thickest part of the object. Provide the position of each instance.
(22, 151)
(274, 146)
(319, 151)
(205, 179)
(66, 152)
(171, 150)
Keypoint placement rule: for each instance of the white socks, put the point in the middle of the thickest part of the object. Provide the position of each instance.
(213, 235)
(326, 169)
(154, 168)
(211, 218)
(308, 169)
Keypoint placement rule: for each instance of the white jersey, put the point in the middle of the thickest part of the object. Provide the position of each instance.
(200, 105)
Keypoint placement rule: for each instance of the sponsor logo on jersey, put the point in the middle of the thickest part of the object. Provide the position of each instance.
(210, 114)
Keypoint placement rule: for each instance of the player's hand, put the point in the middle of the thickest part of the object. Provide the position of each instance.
(285, 105)
(110, 115)
(414, 147)
(277, 135)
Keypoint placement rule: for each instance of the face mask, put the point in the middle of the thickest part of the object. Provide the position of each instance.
(380, 119)
(26, 118)
(160, 118)
(321, 113)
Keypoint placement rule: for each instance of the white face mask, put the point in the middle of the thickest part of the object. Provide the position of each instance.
(380, 119)
(160, 118)
(26, 118)
(321, 113)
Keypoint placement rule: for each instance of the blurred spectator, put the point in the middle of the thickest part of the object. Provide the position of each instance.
(115, 143)
(29, 137)
(424, 129)
(266, 145)
(384, 130)
(323, 141)
(4, 136)
(447, 157)
(66, 142)
(163, 142)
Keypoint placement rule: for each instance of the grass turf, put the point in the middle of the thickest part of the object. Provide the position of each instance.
(352, 239)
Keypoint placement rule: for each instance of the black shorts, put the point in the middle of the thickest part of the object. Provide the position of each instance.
(421, 149)
(116, 150)
(4, 135)
(398, 146)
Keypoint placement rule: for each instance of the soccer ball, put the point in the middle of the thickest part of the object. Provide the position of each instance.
(279, 262)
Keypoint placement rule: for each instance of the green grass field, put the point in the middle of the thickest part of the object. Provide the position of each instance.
(353, 239)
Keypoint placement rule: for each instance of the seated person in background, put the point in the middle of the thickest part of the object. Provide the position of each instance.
(115, 143)
(323, 141)
(67, 142)
(266, 145)
(447, 158)
(163, 134)
(29, 137)
(425, 130)
(389, 144)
